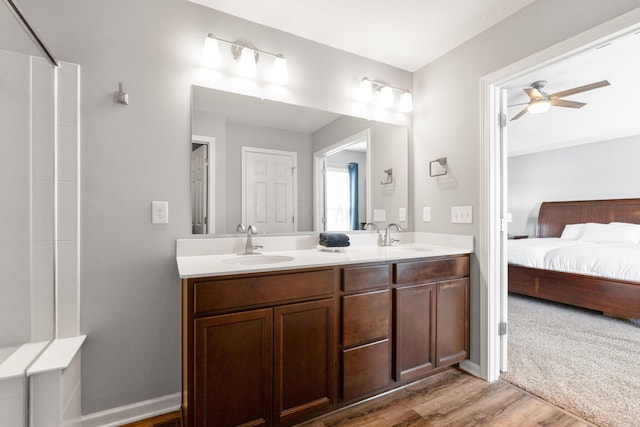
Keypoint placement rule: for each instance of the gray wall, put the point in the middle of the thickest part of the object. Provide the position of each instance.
(447, 111)
(134, 154)
(602, 170)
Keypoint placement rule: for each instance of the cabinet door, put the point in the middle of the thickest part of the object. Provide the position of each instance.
(304, 353)
(414, 331)
(233, 369)
(453, 322)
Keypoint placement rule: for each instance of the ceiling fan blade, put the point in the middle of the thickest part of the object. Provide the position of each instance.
(533, 93)
(520, 114)
(565, 103)
(580, 89)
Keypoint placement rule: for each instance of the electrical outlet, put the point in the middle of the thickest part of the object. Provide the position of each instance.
(159, 212)
(461, 215)
(426, 214)
(379, 215)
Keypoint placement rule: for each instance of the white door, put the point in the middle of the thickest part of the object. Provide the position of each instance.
(269, 190)
(199, 190)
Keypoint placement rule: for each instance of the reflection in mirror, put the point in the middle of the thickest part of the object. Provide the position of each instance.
(26, 220)
(286, 168)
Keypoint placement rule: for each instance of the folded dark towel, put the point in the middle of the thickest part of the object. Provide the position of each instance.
(334, 240)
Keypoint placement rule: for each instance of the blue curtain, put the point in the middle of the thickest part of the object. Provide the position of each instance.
(353, 196)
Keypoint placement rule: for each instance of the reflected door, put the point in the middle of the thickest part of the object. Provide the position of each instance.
(199, 189)
(269, 194)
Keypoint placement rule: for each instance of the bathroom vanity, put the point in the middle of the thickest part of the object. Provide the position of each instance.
(279, 343)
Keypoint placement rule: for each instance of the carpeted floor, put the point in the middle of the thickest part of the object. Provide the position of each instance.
(577, 359)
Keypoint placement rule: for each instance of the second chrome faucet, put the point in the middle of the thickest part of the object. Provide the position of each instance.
(388, 240)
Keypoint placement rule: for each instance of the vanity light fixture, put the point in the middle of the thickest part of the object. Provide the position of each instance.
(384, 95)
(247, 56)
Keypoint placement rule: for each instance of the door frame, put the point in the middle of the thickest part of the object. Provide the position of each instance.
(489, 251)
(210, 142)
(294, 186)
(318, 175)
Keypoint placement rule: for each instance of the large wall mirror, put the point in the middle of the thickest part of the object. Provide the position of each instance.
(286, 168)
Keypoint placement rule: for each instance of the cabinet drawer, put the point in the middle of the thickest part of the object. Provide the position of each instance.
(430, 270)
(365, 317)
(363, 278)
(365, 369)
(259, 290)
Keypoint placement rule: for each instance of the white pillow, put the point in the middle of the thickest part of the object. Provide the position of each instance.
(613, 232)
(627, 233)
(572, 231)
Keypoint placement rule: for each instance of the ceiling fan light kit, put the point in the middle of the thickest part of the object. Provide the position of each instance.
(540, 101)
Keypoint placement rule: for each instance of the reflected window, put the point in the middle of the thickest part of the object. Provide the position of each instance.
(338, 198)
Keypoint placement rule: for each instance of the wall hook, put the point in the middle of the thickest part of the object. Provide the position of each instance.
(120, 97)
(389, 179)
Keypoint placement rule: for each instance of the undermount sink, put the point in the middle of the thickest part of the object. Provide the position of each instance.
(257, 259)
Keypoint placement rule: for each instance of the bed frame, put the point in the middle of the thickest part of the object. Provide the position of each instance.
(617, 298)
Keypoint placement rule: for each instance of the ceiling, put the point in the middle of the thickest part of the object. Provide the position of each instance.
(407, 34)
(611, 112)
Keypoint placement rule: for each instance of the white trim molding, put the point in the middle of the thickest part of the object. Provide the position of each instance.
(134, 412)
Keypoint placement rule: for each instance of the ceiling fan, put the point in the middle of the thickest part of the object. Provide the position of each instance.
(540, 101)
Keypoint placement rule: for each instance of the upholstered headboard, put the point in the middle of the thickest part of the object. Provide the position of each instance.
(553, 216)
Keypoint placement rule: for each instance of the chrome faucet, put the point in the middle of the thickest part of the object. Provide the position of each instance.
(366, 226)
(249, 247)
(388, 240)
(241, 228)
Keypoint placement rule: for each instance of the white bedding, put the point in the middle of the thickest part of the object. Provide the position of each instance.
(532, 252)
(609, 260)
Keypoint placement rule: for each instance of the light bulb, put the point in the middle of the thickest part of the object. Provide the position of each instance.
(280, 73)
(211, 52)
(538, 106)
(365, 91)
(247, 64)
(405, 105)
(386, 97)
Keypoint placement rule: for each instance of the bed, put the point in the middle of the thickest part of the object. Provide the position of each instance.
(580, 270)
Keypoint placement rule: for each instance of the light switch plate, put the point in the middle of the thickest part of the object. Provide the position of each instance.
(159, 212)
(461, 214)
(379, 215)
(426, 214)
(402, 214)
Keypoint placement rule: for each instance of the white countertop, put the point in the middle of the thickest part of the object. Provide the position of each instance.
(202, 264)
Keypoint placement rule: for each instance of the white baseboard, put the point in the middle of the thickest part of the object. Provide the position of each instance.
(133, 412)
(471, 367)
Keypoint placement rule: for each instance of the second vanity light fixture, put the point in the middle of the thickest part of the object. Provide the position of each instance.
(247, 56)
(384, 94)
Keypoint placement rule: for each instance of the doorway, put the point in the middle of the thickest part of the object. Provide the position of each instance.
(202, 185)
(494, 227)
(341, 176)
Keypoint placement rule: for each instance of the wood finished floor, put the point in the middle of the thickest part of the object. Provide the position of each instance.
(452, 398)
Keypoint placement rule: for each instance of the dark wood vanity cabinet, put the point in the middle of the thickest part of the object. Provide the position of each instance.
(278, 348)
(431, 315)
(268, 358)
(366, 330)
